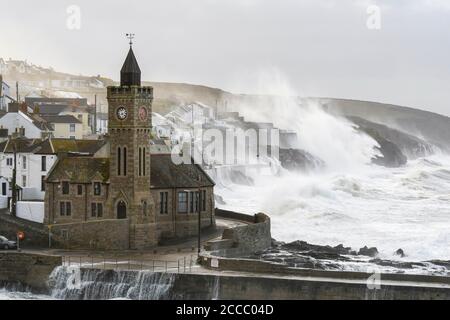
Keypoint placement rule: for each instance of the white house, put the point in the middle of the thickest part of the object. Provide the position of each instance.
(34, 159)
(4, 94)
(65, 126)
(3, 67)
(23, 123)
(102, 122)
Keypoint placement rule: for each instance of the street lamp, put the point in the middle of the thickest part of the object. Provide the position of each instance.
(199, 227)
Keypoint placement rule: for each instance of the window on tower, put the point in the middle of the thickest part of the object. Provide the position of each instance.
(143, 161)
(119, 160)
(140, 162)
(124, 161)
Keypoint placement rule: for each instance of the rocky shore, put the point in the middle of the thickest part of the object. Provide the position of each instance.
(300, 254)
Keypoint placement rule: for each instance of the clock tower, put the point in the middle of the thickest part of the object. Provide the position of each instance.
(129, 126)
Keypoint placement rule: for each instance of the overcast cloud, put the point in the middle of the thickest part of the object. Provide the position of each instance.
(321, 47)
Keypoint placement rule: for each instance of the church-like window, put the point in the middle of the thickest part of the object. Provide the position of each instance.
(80, 190)
(143, 161)
(140, 162)
(191, 202)
(97, 189)
(65, 187)
(119, 160)
(124, 161)
(65, 208)
(96, 210)
(182, 202)
(144, 207)
(203, 200)
(163, 201)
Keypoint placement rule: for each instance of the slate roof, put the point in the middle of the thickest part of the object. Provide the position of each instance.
(31, 101)
(52, 146)
(165, 174)
(130, 74)
(80, 170)
(51, 109)
(60, 119)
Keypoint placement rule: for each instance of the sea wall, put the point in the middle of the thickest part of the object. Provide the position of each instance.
(29, 269)
(109, 284)
(250, 237)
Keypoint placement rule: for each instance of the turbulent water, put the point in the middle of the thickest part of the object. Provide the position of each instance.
(351, 201)
(94, 284)
(387, 208)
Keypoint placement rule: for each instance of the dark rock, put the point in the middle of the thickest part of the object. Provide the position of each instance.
(397, 264)
(400, 253)
(411, 146)
(299, 160)
(318, 251)
(218, 199)
(370, 252)
(391, 154)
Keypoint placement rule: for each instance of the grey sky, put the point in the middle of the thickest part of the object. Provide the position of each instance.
(319, 47)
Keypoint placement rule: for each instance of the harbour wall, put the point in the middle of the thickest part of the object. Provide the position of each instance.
(29, 269)
(109, 284)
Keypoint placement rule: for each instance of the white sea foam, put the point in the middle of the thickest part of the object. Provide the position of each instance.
(351, 201)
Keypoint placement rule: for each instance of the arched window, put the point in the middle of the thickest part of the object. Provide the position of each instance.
(119, 161)
(124, 161)
(143, 161)
(140, 162)
(144, 207)
(121, 210)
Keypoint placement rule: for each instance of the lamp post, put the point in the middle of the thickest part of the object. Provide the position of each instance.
(199, 224)
(14, 182)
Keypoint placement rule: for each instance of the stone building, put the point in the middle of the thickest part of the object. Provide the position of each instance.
(127, 199)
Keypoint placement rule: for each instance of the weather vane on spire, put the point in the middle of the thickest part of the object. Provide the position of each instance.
(131, 37)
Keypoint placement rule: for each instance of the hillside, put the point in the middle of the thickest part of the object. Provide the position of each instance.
(425, 125)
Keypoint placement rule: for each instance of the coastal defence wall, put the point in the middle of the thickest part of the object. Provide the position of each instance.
(254, 235)
(29, 269)
(186, 286)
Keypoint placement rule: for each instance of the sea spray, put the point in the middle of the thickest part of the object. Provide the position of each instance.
(351, 201)
(96, 284)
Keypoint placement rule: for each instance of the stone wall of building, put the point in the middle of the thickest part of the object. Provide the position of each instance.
(180, 225)
(80, 204)
(111, 234)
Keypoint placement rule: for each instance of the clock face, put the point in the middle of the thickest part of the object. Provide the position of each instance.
(121, 113)
(143, 113)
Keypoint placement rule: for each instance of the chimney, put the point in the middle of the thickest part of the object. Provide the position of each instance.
(13, 107)
(23, 107)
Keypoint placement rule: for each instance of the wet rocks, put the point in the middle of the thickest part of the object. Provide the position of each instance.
(218, 199)
(317, 251)
(370, 252)
(299, 160)
(400, 253)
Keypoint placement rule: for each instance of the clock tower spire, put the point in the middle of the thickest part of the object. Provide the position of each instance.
(129, 126)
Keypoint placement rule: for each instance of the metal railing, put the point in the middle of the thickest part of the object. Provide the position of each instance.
(183, 265)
